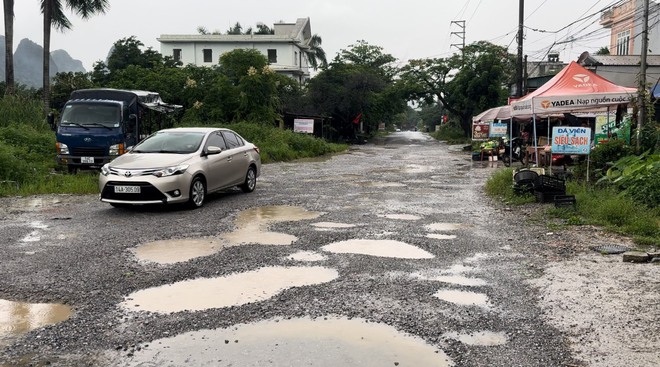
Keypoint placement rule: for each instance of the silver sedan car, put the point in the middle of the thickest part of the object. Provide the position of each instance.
(180, 165)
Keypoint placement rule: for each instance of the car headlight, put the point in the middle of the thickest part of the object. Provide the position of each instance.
(117, 149)
(105, 170)
(62, 148)
(170, 171)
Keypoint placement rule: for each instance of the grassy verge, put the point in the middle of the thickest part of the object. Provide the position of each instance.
(604, 207)
(451, 134)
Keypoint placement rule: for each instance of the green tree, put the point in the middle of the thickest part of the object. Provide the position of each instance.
(315, 53)
(236, 29)
(236, 63)
(264, 29)
(464, 84)
(9, 46)
(54, 17)
(65, 83)
(603, 51)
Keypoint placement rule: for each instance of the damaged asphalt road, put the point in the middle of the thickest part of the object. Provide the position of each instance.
(388, 255)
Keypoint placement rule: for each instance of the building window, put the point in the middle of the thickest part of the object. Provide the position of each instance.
(177, 54)
(208, 55)
(623, 43)
(272, 56)
(295, 58)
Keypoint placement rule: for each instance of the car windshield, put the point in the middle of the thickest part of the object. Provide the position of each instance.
(170, 142)
(105, 115)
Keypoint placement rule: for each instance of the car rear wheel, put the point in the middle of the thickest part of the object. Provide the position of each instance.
(250, 180)
(197, 193)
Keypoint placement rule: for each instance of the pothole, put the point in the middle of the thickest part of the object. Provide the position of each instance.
(18, 318)
(382, 248)
(331, 225)
(462, 297)
(232, 290)
(294, 342)
(445, 226)
(310, 256)
(480, 338)
(178, 250)
(379, 184)
(252, 225)
(453, 279)
(400, 216)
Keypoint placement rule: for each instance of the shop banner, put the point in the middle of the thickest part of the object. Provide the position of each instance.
(571, 140)
(498, 130)
(480, 131)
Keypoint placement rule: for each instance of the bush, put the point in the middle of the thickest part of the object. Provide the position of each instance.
(605, 154)
(500, 185)
(451, 134)
(637, 177)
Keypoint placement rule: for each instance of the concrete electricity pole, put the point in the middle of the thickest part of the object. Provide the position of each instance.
(641, 115)
(519, 63)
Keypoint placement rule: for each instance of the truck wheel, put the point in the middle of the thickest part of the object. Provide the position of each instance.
(250, 180)
(197, 193)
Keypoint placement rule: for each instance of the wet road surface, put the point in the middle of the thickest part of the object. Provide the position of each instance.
(388, 255)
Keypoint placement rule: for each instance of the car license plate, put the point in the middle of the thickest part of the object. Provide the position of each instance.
(127, 189)
(87, 160)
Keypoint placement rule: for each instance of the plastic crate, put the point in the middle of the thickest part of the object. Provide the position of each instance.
(547, 183)
(562, 201)
(547, 196)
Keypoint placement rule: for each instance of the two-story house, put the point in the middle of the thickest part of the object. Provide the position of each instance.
(284, 49)
(626, 20)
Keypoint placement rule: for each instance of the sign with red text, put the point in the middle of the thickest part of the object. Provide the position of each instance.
(571, 140)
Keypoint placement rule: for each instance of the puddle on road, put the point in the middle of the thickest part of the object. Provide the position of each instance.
(400, 216)
(252, 225)
(320, 226)
(441, 236)
(414, 168)
(34, 236)
(232, 290)
(481, 338)
(309, 256)
(18, 318)
(462, 297)
(294, 342)
(445, 226)
(382, 248)
(177, 250)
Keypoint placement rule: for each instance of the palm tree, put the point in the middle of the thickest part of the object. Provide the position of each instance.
(9, 45)
(53, 11)
(314, 53)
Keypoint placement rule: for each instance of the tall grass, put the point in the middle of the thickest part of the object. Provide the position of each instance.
(500, 185)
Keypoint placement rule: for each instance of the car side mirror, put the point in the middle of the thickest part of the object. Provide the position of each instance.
(211, 149)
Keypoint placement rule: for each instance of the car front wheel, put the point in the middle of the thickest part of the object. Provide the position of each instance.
(250, 180)
(197, 193)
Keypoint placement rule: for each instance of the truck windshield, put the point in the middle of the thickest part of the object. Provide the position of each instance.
(92, 114)
(170, 142)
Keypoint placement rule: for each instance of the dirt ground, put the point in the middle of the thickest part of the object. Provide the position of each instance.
(607, 308)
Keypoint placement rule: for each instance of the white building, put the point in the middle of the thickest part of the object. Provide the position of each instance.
(284, 49)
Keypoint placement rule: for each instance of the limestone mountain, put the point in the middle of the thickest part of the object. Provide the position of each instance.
(27, 63)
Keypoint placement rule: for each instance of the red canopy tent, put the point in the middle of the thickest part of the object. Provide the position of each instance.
(573, 89)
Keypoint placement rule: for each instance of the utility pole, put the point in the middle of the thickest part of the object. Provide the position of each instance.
(519, 63)
(460, 34)
(641, 115)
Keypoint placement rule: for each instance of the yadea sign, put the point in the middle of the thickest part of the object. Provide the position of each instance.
(571, 140)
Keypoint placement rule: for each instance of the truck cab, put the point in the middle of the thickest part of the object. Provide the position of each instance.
(97, 125)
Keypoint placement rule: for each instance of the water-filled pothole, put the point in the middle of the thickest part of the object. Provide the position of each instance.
(382, 248)
(231, 290)
(252, 225)
(309, 256)
(462, 297)
(480, 338)
(177, 250)
(400, 216)
(437, 236)
(379, 184)
(18, 318)
(453, 279)
(294, 342)
(324, 226)
(445, 226)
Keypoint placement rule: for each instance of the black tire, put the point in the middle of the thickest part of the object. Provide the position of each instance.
(197, 193)
(72, 170)
(250, 180)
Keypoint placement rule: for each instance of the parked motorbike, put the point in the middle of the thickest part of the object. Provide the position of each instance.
(513, 151)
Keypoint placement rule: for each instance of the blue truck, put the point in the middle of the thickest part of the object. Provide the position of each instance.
(97, 125)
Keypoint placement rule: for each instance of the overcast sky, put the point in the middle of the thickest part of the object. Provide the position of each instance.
(406, 29)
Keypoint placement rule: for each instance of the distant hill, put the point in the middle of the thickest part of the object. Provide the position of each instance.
(27, 63)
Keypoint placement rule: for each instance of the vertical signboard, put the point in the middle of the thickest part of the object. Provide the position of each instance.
(480, 131)
(497, 130)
